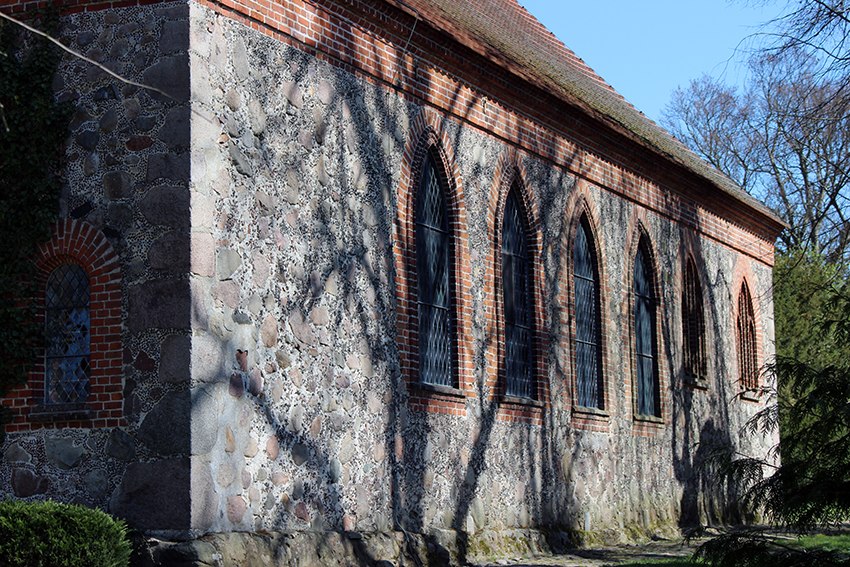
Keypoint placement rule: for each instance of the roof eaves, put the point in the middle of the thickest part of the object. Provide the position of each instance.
(568, 78)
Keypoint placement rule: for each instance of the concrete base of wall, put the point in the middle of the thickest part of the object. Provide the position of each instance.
(332, 549)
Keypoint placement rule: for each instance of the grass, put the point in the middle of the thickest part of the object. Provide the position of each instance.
(835, 543)
(661, 563)
(838, 543)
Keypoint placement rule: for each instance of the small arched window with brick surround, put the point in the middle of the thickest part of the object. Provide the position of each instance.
(434, 260)
(693, 324)
(517, 300)
(746, 335)
(588, 338)
(67, 327)
(646, 340)
(79, 374)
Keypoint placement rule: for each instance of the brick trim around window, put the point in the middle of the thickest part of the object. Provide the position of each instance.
(645, 425)
(80, 243)
(743, 275)
(510, 172)
(583, 205)
(427, 136)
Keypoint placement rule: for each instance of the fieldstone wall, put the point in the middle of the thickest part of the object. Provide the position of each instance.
(252, 210)
(126, 173)
(300, 418)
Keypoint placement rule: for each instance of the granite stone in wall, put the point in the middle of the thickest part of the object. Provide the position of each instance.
(127, 173)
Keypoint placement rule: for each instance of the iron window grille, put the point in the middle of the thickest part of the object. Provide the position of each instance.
(648, 395)
(746, 331)
(67, 324)
(516, 288)
(693, 324)
(588, 328)
(434, 258)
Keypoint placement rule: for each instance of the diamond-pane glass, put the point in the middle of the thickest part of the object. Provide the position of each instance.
(433, 265)
(516, 286)
(67, 335)
(588, 360)
(645, 339)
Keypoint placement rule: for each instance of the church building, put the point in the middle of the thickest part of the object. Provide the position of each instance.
(379, 278)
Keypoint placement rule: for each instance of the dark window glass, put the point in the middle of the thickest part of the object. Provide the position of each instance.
(648, 396)
(588, 359)
(746, 331)
(516, 286)
(433, 270)
(67, 335)
(693, 323)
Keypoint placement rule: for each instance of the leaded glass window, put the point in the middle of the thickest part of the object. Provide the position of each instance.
(588, 354)
(646, 348)
(433, 270)
(693, 323)
(746, 331)
(67, 335)
(516, 287)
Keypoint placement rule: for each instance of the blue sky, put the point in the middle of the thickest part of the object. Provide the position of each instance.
(647, 48)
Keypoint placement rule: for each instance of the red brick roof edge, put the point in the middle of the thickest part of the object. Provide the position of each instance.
(508, 35)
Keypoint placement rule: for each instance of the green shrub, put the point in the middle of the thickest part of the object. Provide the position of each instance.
(50, 534)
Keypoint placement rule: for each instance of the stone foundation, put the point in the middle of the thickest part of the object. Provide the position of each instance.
(333, 549)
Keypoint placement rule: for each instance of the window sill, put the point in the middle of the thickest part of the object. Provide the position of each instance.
(517, 401)
(653, 419)
(750, 395)
(591, 413)
(696, 382)
(60, 412)
(436, 389)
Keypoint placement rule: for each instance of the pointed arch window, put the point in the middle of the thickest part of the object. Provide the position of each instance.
(67, 324)
(434, 258)
(588, 328)
(693, 324)
(746, 335)
(646, 340)
(517, 300)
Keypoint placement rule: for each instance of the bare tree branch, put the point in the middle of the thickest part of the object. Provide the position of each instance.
(785, 139)
(79, 55)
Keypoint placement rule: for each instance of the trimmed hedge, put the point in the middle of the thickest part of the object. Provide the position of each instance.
(50, 534)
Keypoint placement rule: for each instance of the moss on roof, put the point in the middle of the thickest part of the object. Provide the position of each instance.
(509, 35)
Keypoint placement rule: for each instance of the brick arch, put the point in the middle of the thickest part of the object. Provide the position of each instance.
(81, 242)
(639, 233)
(743, 274)
(510, 169)
(78, 242)
(510, 172)
(582, 205)
(427, 136)
(690, 247)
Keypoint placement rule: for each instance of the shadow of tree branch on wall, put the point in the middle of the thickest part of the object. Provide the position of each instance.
(701, 420)
(367, 462)
(366, 470)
